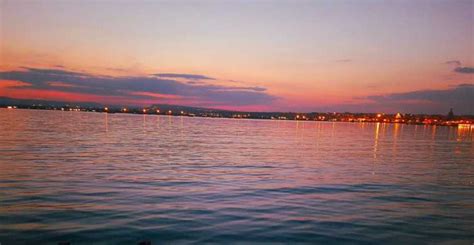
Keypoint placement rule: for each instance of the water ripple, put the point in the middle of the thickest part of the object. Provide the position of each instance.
(120, 179)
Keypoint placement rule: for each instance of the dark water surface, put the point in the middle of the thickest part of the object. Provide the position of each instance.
(119, 179)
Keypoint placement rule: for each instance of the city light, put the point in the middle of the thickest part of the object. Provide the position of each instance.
(423, 119)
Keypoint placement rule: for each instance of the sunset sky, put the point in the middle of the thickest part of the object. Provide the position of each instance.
(358, 56)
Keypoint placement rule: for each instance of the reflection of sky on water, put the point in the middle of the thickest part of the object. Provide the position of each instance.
(68, 172)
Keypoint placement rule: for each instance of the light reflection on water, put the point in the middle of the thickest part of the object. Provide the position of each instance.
(120, 178)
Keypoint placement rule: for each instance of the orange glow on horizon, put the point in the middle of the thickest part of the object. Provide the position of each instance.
(12, 83)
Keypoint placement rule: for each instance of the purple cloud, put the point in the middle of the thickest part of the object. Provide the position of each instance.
(453, 62)
(465, 70)
(138, 87)
(185, 76)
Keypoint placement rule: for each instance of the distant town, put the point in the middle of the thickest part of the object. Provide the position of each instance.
(449, 119)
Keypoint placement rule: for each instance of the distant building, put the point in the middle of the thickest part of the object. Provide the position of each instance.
(450, 115)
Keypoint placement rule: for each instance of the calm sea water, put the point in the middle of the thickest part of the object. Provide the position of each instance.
(120, 179)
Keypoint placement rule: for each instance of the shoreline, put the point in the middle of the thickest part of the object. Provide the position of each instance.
(467, 124)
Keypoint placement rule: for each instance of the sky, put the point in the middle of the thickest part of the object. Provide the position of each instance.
(323, 55)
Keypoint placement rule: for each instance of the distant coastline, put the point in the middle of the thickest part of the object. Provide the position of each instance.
(176, 110)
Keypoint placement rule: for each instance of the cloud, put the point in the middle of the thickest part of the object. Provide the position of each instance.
(59, 72)
(459, 68)
(138, 87)
(256, 88)
(461, 98)
(453, 62)
(465, 70)
(185, 76)
(116, 69)
(463, 92)
(344, 61)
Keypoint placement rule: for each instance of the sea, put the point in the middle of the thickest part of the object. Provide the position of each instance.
(98, 178)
